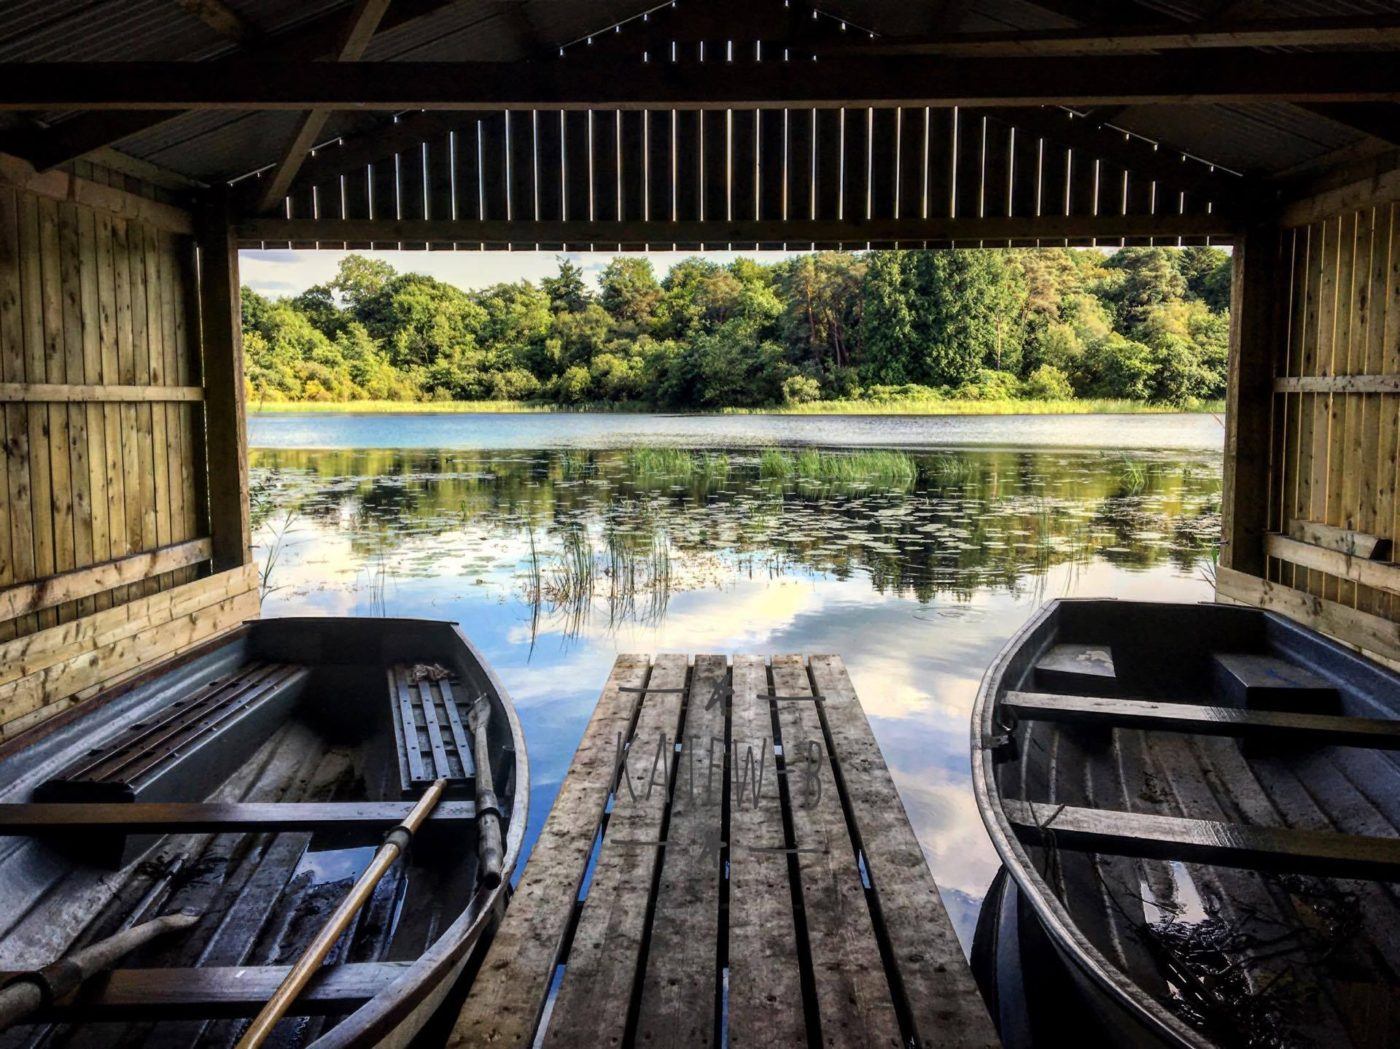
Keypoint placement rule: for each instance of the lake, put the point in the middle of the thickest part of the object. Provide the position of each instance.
(557, 546)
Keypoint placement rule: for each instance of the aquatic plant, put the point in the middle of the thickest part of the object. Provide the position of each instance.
(676, 464)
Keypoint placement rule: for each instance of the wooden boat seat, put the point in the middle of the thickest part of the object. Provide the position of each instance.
(430, 730)
(1318, 729)
(1262, 682)
(1149, 836)
(215, 992)
(271, 817)
(1083, 668)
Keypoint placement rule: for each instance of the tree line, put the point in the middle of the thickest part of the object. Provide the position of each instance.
(1146, 324)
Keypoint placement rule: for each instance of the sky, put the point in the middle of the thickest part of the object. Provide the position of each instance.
(278, 274)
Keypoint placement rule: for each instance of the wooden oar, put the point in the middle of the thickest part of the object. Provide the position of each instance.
(488, 810)
(306, 966)
(26, 992)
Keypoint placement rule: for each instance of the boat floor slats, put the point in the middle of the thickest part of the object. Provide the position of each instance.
(218, 817)
(216, 992)
(748, 877)
(429, 729)
(1205, 841)
(1322, 729)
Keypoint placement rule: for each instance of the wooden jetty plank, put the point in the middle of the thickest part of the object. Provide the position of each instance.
(853, 995)
(944, 1005)
(1325, 853)
(1200, 719)
(602, 965)
(509, 994)
(678, 990)
(173, 817)
(765, 981)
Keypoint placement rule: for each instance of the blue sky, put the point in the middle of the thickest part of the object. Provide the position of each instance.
(281, 273)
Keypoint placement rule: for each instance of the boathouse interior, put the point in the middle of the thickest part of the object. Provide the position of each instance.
(144, 142)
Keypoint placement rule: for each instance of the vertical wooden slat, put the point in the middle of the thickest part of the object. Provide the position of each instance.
(413, 189)
(1331, 305)
(603, 961)
(576, 160)
(384, 195)
(679, 989)
(855, 176)
(147, 351)
(550, 163)
(18, 558)
(971, 163)
(222, 339)
(56, 369)
(135, 477)
(635, 164)
(189, 371)
(466, 157)
(1388, 457)
(660, 170)
(714, 166)
(885, 157)
(828, 169)
(167, 439)
(743, 167)
(91, 312)
(521, 158)
(36, 417)
(853, 996)
(772, 165)
(938, 176)
(801, 164)
(493, 161)
(357, 199)
(604, 165)
(76, 370)
(765, 980)
(439, 205)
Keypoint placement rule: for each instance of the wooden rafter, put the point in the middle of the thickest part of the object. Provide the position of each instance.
(1313, 32)
(308, 40)
(354, 38)
(1213, 76)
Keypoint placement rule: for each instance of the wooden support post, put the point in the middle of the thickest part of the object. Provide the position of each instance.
(221, 349)
(1253, 332)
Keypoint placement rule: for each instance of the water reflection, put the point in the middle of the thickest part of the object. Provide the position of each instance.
(915, 567)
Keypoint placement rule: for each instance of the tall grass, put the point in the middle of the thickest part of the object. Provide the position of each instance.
(676, 464)
(882, 469)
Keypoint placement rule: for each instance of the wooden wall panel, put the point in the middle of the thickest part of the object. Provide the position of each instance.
(102, 416)
(1333, 427)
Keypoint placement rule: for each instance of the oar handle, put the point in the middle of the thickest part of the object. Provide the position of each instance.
(300, 975)
(489, 848)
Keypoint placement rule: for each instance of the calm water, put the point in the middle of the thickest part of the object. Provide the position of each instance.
(557, 557)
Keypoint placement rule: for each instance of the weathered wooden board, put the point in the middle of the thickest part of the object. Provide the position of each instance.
(757, 882)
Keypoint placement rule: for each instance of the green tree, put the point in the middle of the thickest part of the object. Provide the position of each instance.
(566, 291)
(629, 290)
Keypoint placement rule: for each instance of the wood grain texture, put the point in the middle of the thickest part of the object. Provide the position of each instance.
(944, 1005)
(853, 994)
(508, 996)
(605, 956)
(765, 980)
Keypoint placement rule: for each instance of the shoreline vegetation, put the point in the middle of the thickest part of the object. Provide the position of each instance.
(992, 332)
(929, 407)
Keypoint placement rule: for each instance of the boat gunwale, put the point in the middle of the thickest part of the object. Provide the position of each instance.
(1049, 909)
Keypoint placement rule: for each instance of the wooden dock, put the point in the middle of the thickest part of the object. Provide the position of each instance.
(755, 884)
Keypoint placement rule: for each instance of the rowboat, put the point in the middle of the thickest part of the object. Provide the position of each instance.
(248, 783)
(1195, 807)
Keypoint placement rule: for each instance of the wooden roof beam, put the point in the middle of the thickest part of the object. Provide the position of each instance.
(1213, 76)
(354, 38)
(311, 39)
(1167, 36)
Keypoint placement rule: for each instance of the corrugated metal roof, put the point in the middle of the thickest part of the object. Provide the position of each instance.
(1267, 138)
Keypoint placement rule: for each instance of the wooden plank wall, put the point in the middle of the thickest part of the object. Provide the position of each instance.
(102, 413)
(1334, 426)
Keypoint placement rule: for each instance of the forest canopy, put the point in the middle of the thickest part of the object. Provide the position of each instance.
(1147, 324)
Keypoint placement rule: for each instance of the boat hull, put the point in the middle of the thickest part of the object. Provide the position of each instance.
(316, 729)
(1100, 916)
